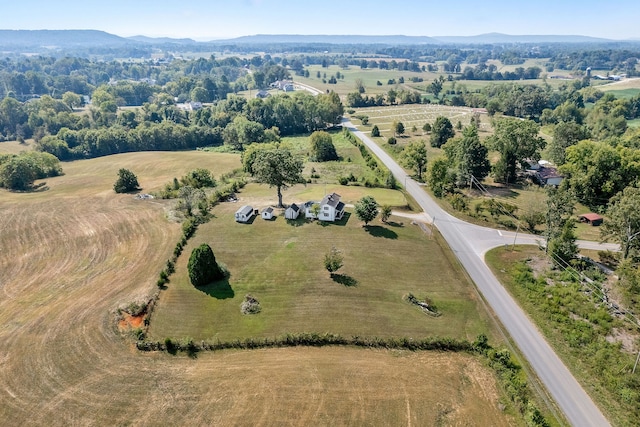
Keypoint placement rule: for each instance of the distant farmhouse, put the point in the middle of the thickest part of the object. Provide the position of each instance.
(544, 174)
(284, 85)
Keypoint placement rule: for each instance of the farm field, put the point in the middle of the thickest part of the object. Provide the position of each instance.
(71, 255)
(14, 147)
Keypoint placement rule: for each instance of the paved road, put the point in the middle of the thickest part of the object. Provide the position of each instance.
(469, 242)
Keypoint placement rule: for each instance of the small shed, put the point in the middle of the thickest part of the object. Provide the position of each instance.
(591, 218)
(292, 212)
(244, 214)
(267, 213)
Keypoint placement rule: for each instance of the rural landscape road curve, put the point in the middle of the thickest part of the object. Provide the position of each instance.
(469, 243)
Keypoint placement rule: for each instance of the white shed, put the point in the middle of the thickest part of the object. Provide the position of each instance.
(267, 213)
(292, 212)
(244, 214)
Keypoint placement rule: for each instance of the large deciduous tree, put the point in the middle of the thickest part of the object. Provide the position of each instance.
(560, 207)
(623, 222)
(276, 167)
(565, 134)
(322, 148)
(414, 156)
(366, 209)
(468, 156)
(596, 171)
(203, 268)
(516, 141)
(127, 181)
(441, 131)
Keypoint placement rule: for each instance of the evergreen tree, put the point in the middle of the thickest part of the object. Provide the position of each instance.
(203, 268)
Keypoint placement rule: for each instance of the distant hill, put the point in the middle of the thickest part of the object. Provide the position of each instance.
(58, 38)
(327, 39)
(160, 40)
(498, 38)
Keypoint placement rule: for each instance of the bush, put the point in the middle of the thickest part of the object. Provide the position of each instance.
(203, 268)
(127, 181)
(391, 140)
(250, 305)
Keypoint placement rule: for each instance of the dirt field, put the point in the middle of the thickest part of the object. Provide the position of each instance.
(70, 256)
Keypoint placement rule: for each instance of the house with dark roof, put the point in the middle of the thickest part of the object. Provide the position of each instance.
(292, 212)
(331, 208)
(263, 94)
(267, 213)
(544, 174)
(244, 214)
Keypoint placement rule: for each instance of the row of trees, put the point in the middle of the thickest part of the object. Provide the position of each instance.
(234, 121)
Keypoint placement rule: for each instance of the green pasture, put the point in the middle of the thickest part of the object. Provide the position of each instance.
(280, 263)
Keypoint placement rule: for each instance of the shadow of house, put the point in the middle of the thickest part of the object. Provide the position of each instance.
(341, 222)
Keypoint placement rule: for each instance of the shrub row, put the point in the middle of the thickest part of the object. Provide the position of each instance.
(312, 340)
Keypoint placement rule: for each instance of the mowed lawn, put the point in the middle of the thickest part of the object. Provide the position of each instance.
(281, 264)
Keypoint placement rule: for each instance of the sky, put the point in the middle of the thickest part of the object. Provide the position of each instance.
(214, 19)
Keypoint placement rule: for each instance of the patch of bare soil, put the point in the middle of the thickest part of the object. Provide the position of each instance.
(129, 322)
(625, 338)
(540, 265)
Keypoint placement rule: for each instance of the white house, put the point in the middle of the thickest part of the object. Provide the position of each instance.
(292, 212)
(331, 208)
(244, 214)
(267, 213)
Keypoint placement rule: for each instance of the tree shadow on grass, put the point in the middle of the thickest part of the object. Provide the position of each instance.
(344, 279)
(394, 224)
(220, 289)
(378, 231)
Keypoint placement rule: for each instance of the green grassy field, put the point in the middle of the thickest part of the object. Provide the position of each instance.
(351, 160)
(280, 263)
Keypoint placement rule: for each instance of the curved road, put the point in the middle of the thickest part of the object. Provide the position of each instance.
(469, 242)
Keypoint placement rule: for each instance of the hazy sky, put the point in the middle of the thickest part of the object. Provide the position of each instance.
(208, 19)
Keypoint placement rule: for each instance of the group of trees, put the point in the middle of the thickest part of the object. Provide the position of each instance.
(465, 158)
(18, 172)
(234, 121)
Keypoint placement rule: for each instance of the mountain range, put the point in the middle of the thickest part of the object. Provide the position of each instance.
(49, 39)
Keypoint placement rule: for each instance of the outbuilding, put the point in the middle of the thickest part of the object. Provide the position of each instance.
(591, 218)
(267, 213)
(244, 214)
(292, 212)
